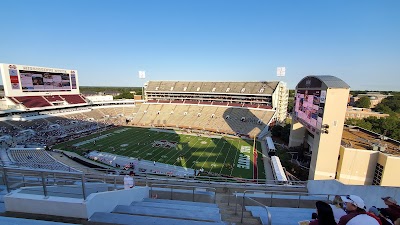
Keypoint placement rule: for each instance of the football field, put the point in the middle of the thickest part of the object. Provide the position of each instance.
(217, 155)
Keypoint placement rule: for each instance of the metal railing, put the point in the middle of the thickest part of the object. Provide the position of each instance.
(325, 197)
(258, 203)
(185, 187)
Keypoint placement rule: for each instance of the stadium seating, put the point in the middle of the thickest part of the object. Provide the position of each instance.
(280, 216)
(204, 117)
(160, 211)
(36, 159)
(74, 99)
(33, 101)
(53, 98)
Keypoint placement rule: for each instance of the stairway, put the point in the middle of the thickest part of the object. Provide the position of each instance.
(161, 211)
(232, 215)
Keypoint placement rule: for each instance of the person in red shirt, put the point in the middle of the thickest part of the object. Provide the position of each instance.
(392, 211)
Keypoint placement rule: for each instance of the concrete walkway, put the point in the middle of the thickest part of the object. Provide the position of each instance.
(267, 161)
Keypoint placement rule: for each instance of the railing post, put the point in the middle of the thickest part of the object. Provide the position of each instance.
(270, 200)
(241, 218)
(83, 186)
(235, 203)
(229, 196)
(193, 194)
(115, 182)
(298, 202)
(5, 179)
(44, 184)
(23, 180)
(215, 196)
(171, 192)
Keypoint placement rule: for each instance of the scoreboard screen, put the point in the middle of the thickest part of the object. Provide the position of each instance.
(20, 80)
(45, 81)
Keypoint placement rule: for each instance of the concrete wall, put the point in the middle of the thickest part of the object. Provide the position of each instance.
(106, 201)
(326, 146)
(356, 166)
(38, 204)
(297, 132)
(371, 194)
(391, 168)
(72, 207)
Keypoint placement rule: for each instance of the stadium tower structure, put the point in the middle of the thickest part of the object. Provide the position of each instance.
(236, 103)
(33, 87)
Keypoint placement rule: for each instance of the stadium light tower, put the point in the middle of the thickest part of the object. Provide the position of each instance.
(142, 75)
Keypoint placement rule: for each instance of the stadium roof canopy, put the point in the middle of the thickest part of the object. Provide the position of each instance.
(262, 87)
(322, 81)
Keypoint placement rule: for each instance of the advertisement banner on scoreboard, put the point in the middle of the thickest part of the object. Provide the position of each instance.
(21, 80)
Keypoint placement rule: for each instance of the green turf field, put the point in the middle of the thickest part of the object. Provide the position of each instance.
(212, 154)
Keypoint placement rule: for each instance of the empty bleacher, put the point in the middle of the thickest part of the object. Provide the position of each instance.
(54, 98)
(161, 211)
(73, 99)
(36, 159)
(33, 101)
(204, 117)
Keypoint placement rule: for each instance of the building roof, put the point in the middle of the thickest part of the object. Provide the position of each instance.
(262, 87)
(359, 138)
(322, 82)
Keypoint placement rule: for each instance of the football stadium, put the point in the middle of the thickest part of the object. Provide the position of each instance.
(181, 148)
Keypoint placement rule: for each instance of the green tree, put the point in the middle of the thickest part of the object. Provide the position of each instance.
(124, 95)
(363, 102)
(276, 130)
(392, 102)
(285, 133)
(290, 105)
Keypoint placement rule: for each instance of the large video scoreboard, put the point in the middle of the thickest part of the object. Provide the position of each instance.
(21, 80)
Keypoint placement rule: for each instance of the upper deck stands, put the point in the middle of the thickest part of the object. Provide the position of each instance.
(46, 101)
(73, 99)
(263, 88)
(33, 101)
(54, 98)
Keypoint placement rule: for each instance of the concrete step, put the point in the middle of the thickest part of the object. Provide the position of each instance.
(168, 213)
(237, 219)
(172, 206)
(202, 204)
(101, 218)
(19, 221)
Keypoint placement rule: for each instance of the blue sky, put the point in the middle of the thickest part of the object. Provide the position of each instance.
(213, 40)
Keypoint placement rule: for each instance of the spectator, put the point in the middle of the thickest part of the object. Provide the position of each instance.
(383, 220)
(325, 214)
(356, 214)
(337, 208)
(392, 211)
(129, 182)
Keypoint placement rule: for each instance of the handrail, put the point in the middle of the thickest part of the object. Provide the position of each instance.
(185, 186)
(266, 208)
(271, 195)
(299, 194)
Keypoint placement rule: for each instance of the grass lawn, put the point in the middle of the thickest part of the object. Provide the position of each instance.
(191, 151)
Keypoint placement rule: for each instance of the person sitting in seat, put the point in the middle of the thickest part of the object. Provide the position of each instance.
(324, 214)
(356, 214)
(392, 211)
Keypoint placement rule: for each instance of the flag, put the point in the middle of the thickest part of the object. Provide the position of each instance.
(142, 74)
(280, 71)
